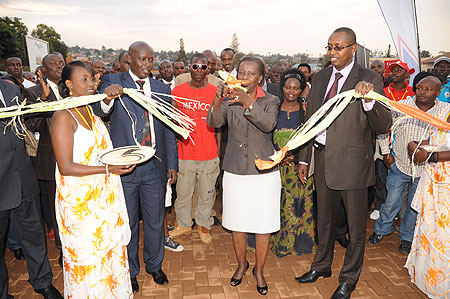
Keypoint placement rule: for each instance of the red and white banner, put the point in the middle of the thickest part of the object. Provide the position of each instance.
(400, 18)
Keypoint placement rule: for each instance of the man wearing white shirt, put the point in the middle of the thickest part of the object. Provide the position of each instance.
(343, 165)
(166, 72)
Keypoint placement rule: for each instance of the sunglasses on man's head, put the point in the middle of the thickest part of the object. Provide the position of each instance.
(197, 65)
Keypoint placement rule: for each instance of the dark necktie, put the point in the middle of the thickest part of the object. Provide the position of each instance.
(146, 133)
(334, 88)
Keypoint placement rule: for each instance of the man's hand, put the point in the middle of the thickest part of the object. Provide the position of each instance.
(420, 156)
(173, 174)
(112, 91)
(388, 160)
(44, 85)
(302, 173)
(362, 88)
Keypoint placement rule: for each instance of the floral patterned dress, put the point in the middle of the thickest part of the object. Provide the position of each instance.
(296, 236)
(429, 259)
(93, 223)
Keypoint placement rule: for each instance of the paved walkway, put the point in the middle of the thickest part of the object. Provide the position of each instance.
(204, 271)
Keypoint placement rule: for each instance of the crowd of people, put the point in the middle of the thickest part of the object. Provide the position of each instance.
(317, 195)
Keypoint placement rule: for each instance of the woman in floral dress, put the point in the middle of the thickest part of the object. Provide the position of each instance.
(90, 205)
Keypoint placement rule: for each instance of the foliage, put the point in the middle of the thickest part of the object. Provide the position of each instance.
(425, 54)
(235, 43)
(50, 35)
(12, 38)
(182, 53)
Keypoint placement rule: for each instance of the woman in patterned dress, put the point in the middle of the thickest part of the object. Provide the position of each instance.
(428, 262)
(90, 205)
(296, 235)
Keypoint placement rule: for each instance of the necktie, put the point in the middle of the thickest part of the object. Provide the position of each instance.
(334, 88)
(147, 138)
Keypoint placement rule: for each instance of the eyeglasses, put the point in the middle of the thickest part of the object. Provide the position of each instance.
(337, 48)
(196, 66)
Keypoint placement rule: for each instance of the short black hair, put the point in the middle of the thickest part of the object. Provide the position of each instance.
(177, 60)
(197, 55)
(12, 56)
(256, 60)
(419, 77)
(305, 65)
(226, 50)
(67, 75)
(296, 74)
(349, 32)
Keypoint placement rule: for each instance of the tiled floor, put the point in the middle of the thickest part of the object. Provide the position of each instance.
(204, 271)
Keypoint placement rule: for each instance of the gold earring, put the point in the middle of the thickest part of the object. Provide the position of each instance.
(70, 93)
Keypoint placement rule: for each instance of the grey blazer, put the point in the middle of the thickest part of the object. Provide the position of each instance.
(249, 136)
(349, 150)
(16, 171)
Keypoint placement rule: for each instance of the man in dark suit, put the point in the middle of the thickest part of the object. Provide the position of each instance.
(146, 184)
(343, 166)
(18, 196)
(44, 163)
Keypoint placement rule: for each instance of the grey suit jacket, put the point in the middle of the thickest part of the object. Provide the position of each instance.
(16, 171)
(349, 152)
(249, 136)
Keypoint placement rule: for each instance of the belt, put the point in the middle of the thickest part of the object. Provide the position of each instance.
(319, 146)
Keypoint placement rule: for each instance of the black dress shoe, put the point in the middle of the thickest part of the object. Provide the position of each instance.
(49, 292)
(134, 284)
(216, 221)
(234, 281)
(375, 239)
(262, 290)
(312, 276)
(18, 254)
(159, 277)
(342, 241)
(343, 291)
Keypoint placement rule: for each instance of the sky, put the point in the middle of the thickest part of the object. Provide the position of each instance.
(262, 26)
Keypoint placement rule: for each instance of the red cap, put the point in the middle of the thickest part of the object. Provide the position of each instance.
(389, 64)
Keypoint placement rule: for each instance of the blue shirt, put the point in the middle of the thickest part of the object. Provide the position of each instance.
(444, 96)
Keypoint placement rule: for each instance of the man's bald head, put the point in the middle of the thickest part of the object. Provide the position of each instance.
(427, 90)
(141, 56)
(138, 46)
(433, 81)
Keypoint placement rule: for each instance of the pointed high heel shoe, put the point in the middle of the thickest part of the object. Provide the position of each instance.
(262, 290)
(235, 282)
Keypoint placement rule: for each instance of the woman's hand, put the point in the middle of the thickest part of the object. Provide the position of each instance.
(287, 159)
(120, 169)
(238, 95)
(222, 90)
(302, 173)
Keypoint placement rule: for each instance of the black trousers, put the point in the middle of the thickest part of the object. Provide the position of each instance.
(328, 207)
(29, 227)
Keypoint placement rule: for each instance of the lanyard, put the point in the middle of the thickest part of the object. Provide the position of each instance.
(401, 97)
(82, 117)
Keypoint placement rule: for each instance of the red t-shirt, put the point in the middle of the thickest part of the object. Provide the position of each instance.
(395, 95)
(196, 104)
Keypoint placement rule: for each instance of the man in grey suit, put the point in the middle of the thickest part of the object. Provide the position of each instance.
(18, 201)
(343, 166)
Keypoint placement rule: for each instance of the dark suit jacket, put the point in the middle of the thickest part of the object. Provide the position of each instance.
(16, 171)
(349, 151)
(276, 90)
(44, 162)
(249, 136)
(121, 130)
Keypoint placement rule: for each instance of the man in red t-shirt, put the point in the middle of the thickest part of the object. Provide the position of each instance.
(198, 155)
(398, 89)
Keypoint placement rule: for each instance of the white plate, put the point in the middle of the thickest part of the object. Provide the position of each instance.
(127, 155)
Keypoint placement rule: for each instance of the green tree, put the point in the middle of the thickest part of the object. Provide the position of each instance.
(53, 38)
(182, 53)
(235, 43)
(12, 38)
(425, 54)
